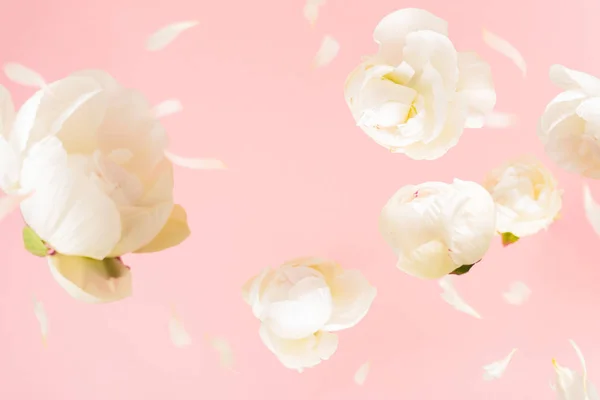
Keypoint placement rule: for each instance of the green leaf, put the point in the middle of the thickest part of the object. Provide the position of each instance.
(462, 270)
(508, 238)
(33, 243)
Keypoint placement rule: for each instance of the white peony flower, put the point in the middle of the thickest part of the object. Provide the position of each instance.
(417, 94)
(436, 228)
(570, 125)
(91, 154)
(301, 303)
(526, 195)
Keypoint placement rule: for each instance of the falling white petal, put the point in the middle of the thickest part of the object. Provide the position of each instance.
(179, 336)
(497, 119)
(517, 294)
(167, 107)
(162, 37)
(360, 376)
(592, 209)
(571, 385)
(327, 52)
(496, 369)
(451, 296)
(505, 48)
(311, 12)
(583, 366)
(195, 163)
(223, 348)
(42, 318)
(23, 76)
(10, 203)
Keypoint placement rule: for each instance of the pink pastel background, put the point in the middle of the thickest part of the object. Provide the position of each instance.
(303, 180)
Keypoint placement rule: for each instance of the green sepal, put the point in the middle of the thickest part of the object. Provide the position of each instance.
(33, 243)
(508, 238)
(462, 270)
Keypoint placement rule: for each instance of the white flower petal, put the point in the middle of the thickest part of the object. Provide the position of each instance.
(42, 318)
(167, 107)
(327, 52)
(498, 119)
(195, 163)
(496, 369)
(89, 280)
(7, 112)
(451, 296)
(164, 36)
(505, 48)
(570, 79)
(592, 209)
(224, 350)
(589, 110)
(177, 332)
(517, 294)
(360, 376)
(311, 10)
(23, 76)
(10, 203)
(571, 385)
(476, 83)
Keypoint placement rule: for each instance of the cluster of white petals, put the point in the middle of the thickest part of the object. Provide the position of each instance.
(300, 305)
(417, 94)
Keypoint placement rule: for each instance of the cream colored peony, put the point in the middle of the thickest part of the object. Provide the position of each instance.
(436, 228)
(301, 303)
(570, 125)
(91, 155)
(526, 195)
(417, 94)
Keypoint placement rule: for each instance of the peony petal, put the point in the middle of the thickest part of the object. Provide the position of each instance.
(496, 369)
(195, 163)
(167, 107)
(451, 296)
(571, 385)
(311, 10)
(42, 318)
(352, 297)
(175, 231)
(179, 336)
(7, 112)
(164, 36)
(517, 294)
(224, 350)
(392, 30)
(66, 209)
(570, 79)
(90, 280)
(10, 203)
(430, 260)
(476, 83)
(497, 119)
(327, 52)
(505, 48)
(589, 110)
(360, 376)
(592, 209)
(23, 76)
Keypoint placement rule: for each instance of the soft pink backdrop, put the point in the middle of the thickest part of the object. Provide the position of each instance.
(303, 180)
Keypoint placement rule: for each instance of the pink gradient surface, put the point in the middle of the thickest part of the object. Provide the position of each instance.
(303, 180)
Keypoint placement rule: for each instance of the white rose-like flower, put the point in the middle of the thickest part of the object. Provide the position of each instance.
(418, 93)
(436, 228)
(300, 303)
(91, 154)
(526, 195)
(570, 125)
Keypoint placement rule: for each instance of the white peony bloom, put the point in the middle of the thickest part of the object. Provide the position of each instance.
(526, 195)
(570, 125)
(301, 303)
(417, 94)
(436, 227)
(91, 153)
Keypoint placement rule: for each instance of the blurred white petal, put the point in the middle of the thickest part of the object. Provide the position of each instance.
(497, 119)
(517, 294)
(23, 76)
(360, 376)
(195, 163)
(120, 156)
(42, 318)
(179, 336)
(9, 203)
(496, 369)
(162, 37)
(592, 209)
(327, 52)
(451, 296)
(505, 48)
(223, 348)
(167, 107)
(571, 385)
